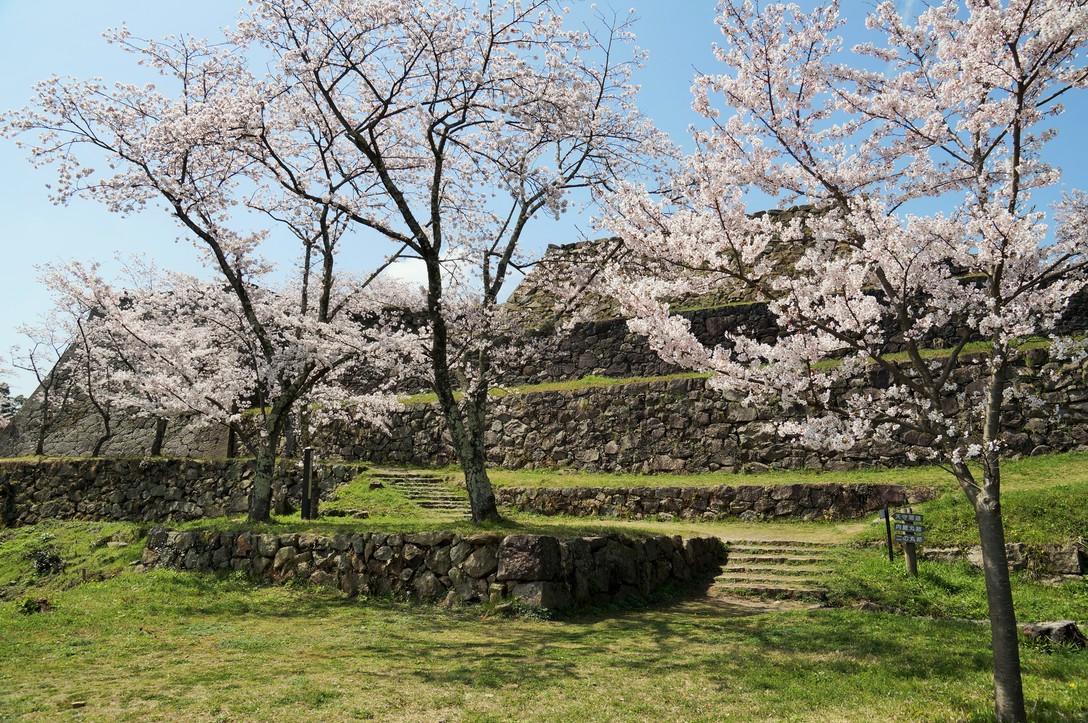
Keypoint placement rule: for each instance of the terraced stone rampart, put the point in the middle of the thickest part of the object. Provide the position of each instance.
(153, 490)
(747, 502)
(681, 425)
(539, 570)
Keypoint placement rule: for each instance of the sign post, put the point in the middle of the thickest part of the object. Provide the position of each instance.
(308, 511)
(908, 531)
(888, 529)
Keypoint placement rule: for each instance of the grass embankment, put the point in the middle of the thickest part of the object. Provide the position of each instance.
(1022, 474)
(591, 381)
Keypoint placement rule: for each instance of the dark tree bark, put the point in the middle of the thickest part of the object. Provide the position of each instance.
(161, 423)
(260, 498)
(1008, 688)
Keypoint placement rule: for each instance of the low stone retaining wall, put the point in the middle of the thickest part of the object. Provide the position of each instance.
(539, 570)
(1037, 560)
(804, 501)
(154, 490)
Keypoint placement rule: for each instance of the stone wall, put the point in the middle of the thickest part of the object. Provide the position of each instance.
(681, 425)
(79, 427)
(539, 570)
(1039, 561)
(156, 490)
(748, 502)
(608, 348)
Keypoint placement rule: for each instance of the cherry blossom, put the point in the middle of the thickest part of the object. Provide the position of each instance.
(914, 159)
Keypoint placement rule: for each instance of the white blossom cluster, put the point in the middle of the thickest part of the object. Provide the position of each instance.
(952, 110)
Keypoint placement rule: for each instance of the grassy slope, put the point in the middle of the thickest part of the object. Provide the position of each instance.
(923, 476)
(946, 590)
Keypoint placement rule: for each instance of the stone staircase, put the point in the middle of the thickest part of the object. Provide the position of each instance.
(776, 569)
(429, 491)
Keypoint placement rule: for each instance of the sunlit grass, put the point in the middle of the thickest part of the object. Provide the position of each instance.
(184, 646)
(172, 646)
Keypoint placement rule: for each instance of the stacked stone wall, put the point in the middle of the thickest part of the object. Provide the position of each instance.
(748, 502)
(682, 426)
(539, 570)
(1054, 562)
(608, 348)
(156, 490)
(78, 427)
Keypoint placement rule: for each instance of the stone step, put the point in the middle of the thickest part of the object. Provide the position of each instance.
(425, 488)
(771, 581)
(777, 592)
(782, 543)
(432, 494)
(778, 551)
(776, 559)
(794, 570)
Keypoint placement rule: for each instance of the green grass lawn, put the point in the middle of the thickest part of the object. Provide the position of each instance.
(170, 646)
(183, 646)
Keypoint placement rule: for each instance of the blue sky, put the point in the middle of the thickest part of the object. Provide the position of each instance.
(63, 37)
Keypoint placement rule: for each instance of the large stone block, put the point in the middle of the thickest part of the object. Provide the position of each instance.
(529, 558)
(542, 594)
(428, 586)
(482, 562)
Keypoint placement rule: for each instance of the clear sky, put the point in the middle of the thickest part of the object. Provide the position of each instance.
(63, 37)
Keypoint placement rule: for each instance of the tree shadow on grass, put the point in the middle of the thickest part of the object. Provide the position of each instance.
(702, 637)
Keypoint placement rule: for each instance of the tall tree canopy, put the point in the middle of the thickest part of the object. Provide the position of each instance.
(435, 130)
(917, 157)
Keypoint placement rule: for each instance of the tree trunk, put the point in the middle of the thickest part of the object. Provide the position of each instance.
(232, 442)
(107, 430)
(481, 496)
(467, 432)
(1008, 688)
(106, 436)
(260, 497)
(289, 437)
(161, 424)
(466, 421)
(43, 426)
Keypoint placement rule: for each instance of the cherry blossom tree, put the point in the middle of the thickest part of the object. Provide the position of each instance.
(209, 346)
(44, 356)
(451, 127)
(916, 158)
(177, 345)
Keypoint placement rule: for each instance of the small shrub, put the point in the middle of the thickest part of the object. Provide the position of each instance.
(30, 605)
(45, 560)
